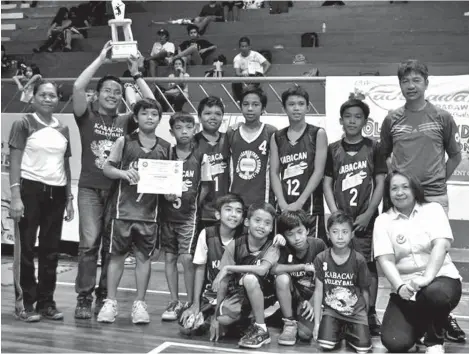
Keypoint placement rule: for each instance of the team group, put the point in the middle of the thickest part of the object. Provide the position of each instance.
(249, 226)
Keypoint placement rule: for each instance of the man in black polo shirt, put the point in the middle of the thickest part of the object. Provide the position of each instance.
(195, 50)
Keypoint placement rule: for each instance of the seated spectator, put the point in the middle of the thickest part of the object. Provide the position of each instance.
(78, 28)
(232, 9)
(55, 37)
(209, 13)
(161, 53)
(411, 241)
(195, 50)
(248, 63)
(173, 93)
(25, 79)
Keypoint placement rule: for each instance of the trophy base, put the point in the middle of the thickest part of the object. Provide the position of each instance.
(121, 51)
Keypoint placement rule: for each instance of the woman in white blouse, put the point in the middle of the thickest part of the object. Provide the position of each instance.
(411, 243)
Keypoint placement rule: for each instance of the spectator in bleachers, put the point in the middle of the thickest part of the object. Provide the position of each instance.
(211, 12)
(248, 63)
(78, 28)
(195, 50)
(162, 52)
(55, 31)
(232, 9)
(173, 93)
(25, 79)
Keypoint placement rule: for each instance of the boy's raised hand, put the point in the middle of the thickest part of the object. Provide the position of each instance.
(308, 312)
(279, 240)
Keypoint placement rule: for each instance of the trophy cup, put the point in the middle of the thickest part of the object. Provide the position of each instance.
(121, 50)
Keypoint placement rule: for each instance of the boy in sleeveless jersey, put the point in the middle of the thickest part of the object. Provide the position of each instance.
(354, 183)
(341, 288)
(134, 216)
(243, 283)
(214, 144)
(249, 148)
(294, 281)
(298, 157)
(179, 213)
(208, 253)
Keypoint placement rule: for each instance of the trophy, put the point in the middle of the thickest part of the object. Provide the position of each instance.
(121, 50)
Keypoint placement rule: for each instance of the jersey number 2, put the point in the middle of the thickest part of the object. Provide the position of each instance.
(353, 200)
(293, 185)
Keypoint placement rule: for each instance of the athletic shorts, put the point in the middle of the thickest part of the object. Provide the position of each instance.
(231, 4)
(331, 330)
(125, 234)
(236, 304)
(364, 245)
(178, 238)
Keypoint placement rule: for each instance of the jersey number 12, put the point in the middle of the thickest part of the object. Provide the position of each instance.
(292, 186)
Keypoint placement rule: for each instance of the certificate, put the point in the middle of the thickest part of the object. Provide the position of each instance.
(159, 176)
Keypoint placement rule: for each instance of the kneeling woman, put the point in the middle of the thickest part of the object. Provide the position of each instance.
(411, 243)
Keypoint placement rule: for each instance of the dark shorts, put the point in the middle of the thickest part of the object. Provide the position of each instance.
(231, 4)
(332, 330)
(318, 230)
(236, 304)
(126, 234)
(178, 238)
(364, 245)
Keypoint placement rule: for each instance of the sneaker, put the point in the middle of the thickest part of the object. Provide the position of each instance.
(83, 309)
(173, 311)
(289, 333)
(255, 338)
(98, 304)
(453, 331)
(27, 315)
(140, 313)
(435, 349)
(108, 312)
(130, 260)
(374, 324)
(51, 313)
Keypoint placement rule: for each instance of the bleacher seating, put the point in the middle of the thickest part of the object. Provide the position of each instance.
(361, 36)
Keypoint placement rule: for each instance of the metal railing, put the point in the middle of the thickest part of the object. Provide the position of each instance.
(200, 81)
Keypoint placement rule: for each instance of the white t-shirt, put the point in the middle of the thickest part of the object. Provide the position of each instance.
(201, 250)
(250, 64)
(409, 239)
(168, 46)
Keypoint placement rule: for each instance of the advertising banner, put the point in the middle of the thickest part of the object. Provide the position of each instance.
(382, 93)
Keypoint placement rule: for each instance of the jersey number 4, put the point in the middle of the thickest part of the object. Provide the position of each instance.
(292, 186)
(263, 147)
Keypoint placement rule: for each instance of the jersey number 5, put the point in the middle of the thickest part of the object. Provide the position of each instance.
(293, 185)
(263, 147)
(353, 200)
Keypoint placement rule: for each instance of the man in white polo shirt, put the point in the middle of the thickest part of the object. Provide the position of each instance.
(162, 52)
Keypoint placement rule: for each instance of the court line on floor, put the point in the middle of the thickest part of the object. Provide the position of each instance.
(164, 292)
(166, 345)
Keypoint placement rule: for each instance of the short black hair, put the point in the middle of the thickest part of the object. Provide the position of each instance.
(407, 66)
(294, 91)
(244, 40)
(355, 102)
(339, 217)
(255, 91)
(147, 103)
(261, 206)
(184, 117)
(105, 78)
(228, 198)
(41, 82)
(414, 184)
(288, 220)
(210, 101)
(191, 27)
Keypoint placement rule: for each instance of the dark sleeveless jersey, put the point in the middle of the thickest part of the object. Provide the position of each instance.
(297, 167)
(215, 251)
(185, 209)
(249, 165)
(218, 156)
(353, 178)
(304, 281)
(127, 203)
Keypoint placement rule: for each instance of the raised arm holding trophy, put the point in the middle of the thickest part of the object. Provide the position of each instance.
(121, 50)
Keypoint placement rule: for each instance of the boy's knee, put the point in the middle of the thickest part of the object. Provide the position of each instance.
(282, 282)
(395, 344)
(250, 282)
(170, 258)
(186, 259)
(225, 320)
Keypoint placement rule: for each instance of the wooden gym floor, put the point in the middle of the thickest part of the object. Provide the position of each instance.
(71, 335)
